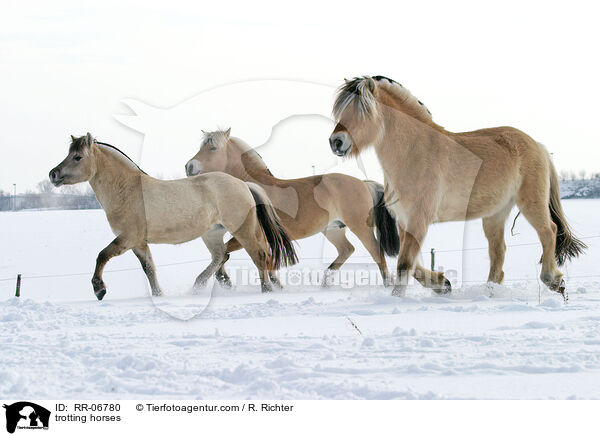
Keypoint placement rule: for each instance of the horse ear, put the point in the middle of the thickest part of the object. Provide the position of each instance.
(89, 138)
(227, 133)
(73, 138)
(371, 84)
(203, 131)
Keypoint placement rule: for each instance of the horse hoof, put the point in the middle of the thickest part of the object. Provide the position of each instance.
(100, 293)
(199, 285)
(562, 290)
(562, 286)
(226, 284)
(398, 292)
(224, 281)
(447, 287)
(327, 279)
(266, 289)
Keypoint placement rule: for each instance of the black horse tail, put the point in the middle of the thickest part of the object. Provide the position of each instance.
(385, 224)
(567, 245)
(282, 252)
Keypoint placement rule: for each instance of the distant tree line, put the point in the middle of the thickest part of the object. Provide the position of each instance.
(581, 175)
(46, 196)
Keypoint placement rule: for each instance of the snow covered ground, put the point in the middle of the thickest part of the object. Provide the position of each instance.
(586, 188)
(511, 341)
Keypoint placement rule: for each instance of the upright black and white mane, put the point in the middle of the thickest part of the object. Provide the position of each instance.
(358, 93)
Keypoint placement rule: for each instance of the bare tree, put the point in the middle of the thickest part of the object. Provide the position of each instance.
(564, 175)
(45, 187)
(71, 190)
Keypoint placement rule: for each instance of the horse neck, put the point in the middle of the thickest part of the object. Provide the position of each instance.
(114, 173)
(402, 130)
(245, 164)
(391, 104)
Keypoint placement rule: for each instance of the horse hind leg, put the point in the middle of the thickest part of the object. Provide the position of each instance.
(145, 257)
(536, 210)
(214, 242)
(222, 276)
(260, 258)
(336, 234)
(366, 235)
(250, 236)
(274, 277)
(493, 227)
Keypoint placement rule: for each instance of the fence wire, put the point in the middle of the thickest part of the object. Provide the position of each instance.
(305, 258)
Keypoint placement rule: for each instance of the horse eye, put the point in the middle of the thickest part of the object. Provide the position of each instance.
(77, 158)
(213, 148)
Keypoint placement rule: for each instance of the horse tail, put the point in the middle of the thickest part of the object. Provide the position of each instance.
(385, 224)
(282, 252)
(567, 245)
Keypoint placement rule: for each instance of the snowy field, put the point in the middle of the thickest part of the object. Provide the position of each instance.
(348, 342)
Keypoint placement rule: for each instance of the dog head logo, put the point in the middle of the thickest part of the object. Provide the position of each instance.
(26, 415)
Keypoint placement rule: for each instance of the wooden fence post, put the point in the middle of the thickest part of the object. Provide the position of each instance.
(18, 292)
(433, 259)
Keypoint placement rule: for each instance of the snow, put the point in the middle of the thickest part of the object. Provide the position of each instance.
(347, 342)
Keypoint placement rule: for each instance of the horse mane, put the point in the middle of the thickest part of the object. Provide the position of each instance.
(356, 91)
(214, 137)
(250, 157)
(80, 143)
(123, 153)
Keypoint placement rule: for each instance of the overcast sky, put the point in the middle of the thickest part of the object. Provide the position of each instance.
(65, 67)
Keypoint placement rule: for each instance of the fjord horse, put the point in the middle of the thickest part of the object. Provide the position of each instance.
(326, 203)
(142, 210)
(433, 175)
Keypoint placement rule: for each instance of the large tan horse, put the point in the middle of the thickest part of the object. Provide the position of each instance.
(325, 203)
(433, 175)
(142, 210)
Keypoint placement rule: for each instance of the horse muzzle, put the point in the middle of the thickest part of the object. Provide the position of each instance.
(193, 168)
(55, 177)
(340, 143)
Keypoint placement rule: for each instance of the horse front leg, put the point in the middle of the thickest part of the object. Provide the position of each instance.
(407, 259)
(434, 280)
(117, 247)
